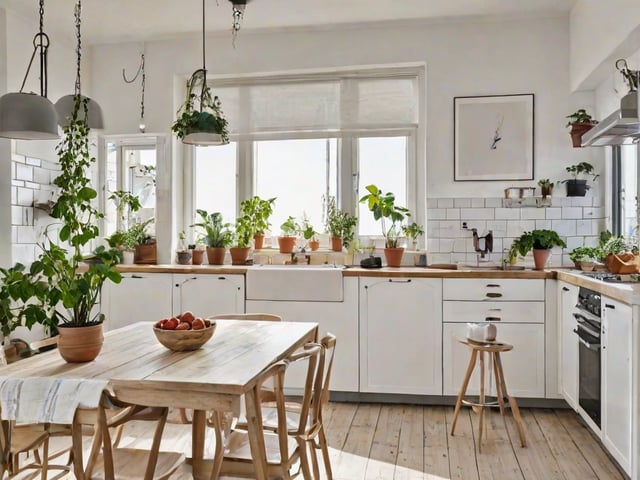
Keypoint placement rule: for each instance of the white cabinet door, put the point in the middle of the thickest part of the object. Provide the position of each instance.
(138, 297)
(400, 335)
(523, 366)
(338, 318)
(206, 295)
(568, 298)
(617, 380)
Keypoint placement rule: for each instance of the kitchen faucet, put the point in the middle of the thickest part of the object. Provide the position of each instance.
(486, 241)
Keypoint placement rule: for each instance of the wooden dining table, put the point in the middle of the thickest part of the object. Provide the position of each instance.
(213, 378)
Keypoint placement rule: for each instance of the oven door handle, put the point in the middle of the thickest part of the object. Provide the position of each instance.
(594, 347)
(588, 328)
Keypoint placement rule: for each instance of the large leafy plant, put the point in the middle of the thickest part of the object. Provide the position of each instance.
(384, 208)
(537, 239)
(216, 232)
(339, 223)
(258, 210)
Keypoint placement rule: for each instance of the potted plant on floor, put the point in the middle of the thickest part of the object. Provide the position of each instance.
(242, 236)
(391, 216)
(55, 291)
(217, 235)
(258, 210)
(289, 231)
(580, 122)
(541, 242)
(340, 225)
(577, 186)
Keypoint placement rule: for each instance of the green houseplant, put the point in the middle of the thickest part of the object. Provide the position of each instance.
(258, 210)
(580, 122)
(56, 292)
(309, 234)
(289, 231)
(384, 208)
(577, 184)
(340, 225)
(541, 242)
(126, 204)
(217, 235)
(413, 231)
(241, 240)
(584, 254)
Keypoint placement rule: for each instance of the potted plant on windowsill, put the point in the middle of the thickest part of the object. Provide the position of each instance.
(383, 207)
(309, 234)
(242, 236)
(146, 250)
(258, 210)
(55, 291)
(125, 243)
(340, 225)
(413, 232)
(289, 231)
(541, 242)
(183, 253)
(216, 235)
(577, 186)
(580, 122)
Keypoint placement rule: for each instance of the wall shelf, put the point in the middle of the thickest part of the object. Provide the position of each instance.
(535, 202)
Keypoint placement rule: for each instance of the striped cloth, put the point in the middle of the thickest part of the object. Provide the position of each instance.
(44, 399)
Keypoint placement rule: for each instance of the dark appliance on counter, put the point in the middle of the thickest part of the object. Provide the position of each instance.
(588, 329)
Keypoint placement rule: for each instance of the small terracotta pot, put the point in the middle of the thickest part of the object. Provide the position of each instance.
(336, 244)
(540, 258)
(215, 255)
(286, 244)
(258, 242)
(197, 256)
(239, 255)
(80, 344)
(393, 256)
(314, 245)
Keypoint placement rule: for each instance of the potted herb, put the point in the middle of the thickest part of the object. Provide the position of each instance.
(125, 243)
(242, 236)
(55, 291)
(577, 186)
(617, 255)
(541, 242)
(580, 254)
(391, 216)
(287, 239)
(580, 122)
(340, 225)
(413, 231)
(184, 254)
(546, 187)
(217, 235)
(200, 115)
(258, 210)
(310, 234)
(145, 250)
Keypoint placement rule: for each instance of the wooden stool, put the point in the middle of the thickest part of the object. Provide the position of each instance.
(493, 349)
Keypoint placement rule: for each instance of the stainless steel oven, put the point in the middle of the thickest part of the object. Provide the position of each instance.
(588, 330)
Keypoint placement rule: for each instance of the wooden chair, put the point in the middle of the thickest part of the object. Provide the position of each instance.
(282, 449)
(270, 317)
(122, 463)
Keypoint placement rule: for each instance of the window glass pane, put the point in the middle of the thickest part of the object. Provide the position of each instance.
(215, 180)
(382, 162)
(298, 173)
(629, 180)
(140, 179)
(111, 172)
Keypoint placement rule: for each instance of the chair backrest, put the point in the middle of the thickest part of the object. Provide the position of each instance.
(311, 353)
(270, 317)
(323, 380)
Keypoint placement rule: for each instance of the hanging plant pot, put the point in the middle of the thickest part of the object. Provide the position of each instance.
(80, 344)
(577, 188)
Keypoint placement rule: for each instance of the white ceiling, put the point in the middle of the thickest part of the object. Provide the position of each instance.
(107, 21)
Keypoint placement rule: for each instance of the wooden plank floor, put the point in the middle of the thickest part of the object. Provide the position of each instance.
(409, 442)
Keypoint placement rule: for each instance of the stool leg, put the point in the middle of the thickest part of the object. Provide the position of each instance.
(513, 403)
(499, 389)
(463, 389)
(481, 401)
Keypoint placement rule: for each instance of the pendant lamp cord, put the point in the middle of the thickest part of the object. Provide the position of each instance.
(204, 64)
(40, 42)
(77, 14)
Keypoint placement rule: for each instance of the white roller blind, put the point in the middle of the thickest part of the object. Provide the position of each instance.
(336, 103)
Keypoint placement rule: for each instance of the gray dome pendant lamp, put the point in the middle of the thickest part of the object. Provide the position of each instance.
(29, 116)
(91, 113)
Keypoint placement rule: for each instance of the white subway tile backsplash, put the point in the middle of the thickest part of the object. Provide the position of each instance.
(553, 213)
(433, 245)
(436, 214)
(571, 213)
(515, 229)
(593, 212)
(581, 201)
(462, 203)
(543, 224)
(32, 185)
(574, 242)
(25, 197)
(461, 245)
(478, 203)
(478, 213)
(532, 214)
(17, 183)
(445, 203)
(433, 258)
(493, 202)
(564, 228)
(36, 162)
(446, 245)
(583, 227)
(498, 227)
(432, 203)
(17, 215)
(26, 234)
(23, 172)
(507, 214)
(42, 176)
(450, 228)
(453, 214)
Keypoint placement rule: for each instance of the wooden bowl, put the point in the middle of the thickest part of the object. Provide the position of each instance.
(184, 340)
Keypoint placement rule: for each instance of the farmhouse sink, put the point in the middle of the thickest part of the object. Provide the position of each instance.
(304, 283)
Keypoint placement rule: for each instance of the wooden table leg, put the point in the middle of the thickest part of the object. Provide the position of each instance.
(198, 429)
(255, 433)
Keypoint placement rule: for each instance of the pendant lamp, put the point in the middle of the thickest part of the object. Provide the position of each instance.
(92, 113)
(200, 119)
(29, 116)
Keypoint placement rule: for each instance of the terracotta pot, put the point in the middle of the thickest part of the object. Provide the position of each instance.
(184, 257)
(196, 257)
(336, 244)
(258, 242)
(215, 255)
(239, 255)
(146, 254)
(80, 344)
(314, 245)
(393, 256)
(286, 244)
(577, 130)
(540, 258)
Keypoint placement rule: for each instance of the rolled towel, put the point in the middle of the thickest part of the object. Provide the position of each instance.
(44, 399)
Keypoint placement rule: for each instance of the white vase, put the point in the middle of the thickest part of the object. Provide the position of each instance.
(127, 257)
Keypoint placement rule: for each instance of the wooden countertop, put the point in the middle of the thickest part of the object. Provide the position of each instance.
(624, 292)
(209, 269)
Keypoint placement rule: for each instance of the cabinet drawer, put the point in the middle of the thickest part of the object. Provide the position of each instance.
(503, 312)
(493, 289)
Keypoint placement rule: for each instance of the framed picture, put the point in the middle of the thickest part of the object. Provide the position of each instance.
(493, 137)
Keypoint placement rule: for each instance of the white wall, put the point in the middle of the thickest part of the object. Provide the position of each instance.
(462, 58)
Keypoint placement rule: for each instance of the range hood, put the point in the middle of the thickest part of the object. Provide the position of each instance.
(622, 127)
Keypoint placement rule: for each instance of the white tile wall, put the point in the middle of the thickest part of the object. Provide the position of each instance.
(578, 221)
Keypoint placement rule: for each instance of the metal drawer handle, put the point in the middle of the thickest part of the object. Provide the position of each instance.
(492, 319)
(493, 285)
(565, 289)
(399, 281)
(493, 295)
(495, 309)
(608, 305)
(136, 276)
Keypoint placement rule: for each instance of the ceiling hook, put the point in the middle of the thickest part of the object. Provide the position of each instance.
(124, 76)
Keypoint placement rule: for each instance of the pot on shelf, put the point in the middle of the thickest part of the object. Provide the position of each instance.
(146, 254)
(336, 244)
(184, 257)
(286, 244)
(577, 188)
(239, 255)
(215, 255)
(197, 256)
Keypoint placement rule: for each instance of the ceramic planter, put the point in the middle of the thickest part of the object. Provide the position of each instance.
(393, 256)
(184, 257)
(215, 255)
(577, 188)
(80, 344)
(286, 244)
(540, 258)
(128, 257)
(314, 245)
(577, 130)
(239, 255)
(258, 242)
(336, 244)
(197, 256)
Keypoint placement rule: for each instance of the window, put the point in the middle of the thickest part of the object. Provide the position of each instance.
(215, 180)
(628, 190)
